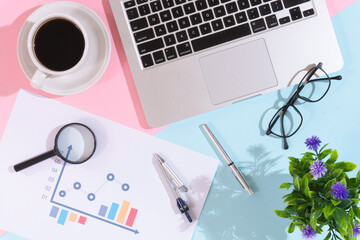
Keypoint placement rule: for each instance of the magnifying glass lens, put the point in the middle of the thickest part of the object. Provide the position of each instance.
(75, 143)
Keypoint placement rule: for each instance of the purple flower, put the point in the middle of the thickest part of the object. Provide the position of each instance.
(313, 143)
(339, 191)
(308, 232)
(356, 230)
(317, 169)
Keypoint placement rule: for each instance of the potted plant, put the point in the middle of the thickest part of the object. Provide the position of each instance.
(322, 194)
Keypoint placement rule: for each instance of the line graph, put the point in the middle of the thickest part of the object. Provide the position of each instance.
(120, 215)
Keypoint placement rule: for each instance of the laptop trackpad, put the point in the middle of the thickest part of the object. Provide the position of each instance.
(238, 71)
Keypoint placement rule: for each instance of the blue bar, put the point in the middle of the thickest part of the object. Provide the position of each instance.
(62, 217)
(54, 212)
(113, 211)
(102, 211)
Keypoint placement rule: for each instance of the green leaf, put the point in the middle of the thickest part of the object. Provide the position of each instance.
(286, 185)
(328, 236)
(358, 178)
(336, 173)
(327, 188)
(294, 160)
(355, 200)
(297, 183)
(328, 211)
(356, 211)
(333, 157)
(335, 202)
(305, 186)
(347, 166)
(291, 228)
(282, 214)
(340, 218)
(324, 154)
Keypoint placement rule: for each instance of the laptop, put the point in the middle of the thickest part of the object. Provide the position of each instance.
(190, 57)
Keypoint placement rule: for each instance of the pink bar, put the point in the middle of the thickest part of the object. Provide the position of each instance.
(131, 218)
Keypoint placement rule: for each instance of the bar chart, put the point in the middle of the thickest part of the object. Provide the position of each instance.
(118, 213)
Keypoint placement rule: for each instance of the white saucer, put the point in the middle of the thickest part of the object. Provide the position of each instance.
(99, 48)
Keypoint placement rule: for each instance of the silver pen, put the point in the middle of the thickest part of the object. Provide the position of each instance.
(230, 163)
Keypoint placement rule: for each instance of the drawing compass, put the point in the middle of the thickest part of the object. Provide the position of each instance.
(175, 184)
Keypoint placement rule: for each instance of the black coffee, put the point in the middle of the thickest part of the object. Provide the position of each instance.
(59, 44)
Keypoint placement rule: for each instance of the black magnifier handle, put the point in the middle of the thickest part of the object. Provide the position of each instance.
(20, 166)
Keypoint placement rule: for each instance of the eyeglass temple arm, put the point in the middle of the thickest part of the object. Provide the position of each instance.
(338, 77)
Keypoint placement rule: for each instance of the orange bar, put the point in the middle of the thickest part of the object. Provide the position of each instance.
(73, 217)
(123, 210)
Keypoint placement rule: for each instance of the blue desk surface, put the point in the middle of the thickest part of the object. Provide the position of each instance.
(229, 212)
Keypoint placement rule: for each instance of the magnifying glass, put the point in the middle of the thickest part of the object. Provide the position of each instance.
(75, 143)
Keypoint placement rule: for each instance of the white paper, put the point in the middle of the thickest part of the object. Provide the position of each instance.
(121, 173)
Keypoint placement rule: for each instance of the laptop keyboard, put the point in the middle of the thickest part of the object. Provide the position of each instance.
(164, 30)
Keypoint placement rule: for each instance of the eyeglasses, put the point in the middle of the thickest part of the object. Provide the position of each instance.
(310, 89)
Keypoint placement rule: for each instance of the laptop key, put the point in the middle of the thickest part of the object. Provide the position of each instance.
(219, 11)
(170, 40)
(217, 25)
(229, 21)
(309, 12)
(255, 2)
(195, 19)
(178, 2)
(177, 12)
(172, 26)
(154, 19)
(184, 49)
(213, 3)
(155, 6)
(141, 1)
(205, 28)
(189, 8)
(147, 61)
(130, 3)
(132, 13)
(144, 35)
(193, 32)
(139, 24)
(271, 21)
(241, 17)
(159, 57)
(207, 15)
(277, 6)
(170, 53)
(165, 15)
(150, 46)
(221, 37)
(253, 13)
(243, 4)
(265, 9)
(284, 20)
(168, 3)
(258, 25)
(184, 22)
(295, 13)
(292, 3)
(160, 30)
(181, 36)
(231, 7)
(200, 5)
(144, 9)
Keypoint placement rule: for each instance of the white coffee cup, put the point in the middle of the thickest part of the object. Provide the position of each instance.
(44, 73)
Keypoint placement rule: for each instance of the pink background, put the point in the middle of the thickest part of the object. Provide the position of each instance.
(112, 97)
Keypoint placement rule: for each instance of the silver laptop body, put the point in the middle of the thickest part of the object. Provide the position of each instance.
(190, 57)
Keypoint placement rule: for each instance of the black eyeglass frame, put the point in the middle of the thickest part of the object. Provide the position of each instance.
(282, 111)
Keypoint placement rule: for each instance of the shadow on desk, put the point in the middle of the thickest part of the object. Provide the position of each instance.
(240, 216)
